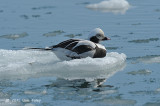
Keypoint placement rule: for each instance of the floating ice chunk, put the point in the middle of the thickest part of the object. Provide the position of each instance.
(112, 48)
(152, 104)
(24, 16)
(144, 40)
(43, 7)
(144, 92)
(115, 6)
(54, 33)
(14, 36)
(149, 59)
(108, 92)
(21, 64)
(29, 104)
(140, 72)
(35, 92)
(73, 35)
(116, 102)
(157, 90)
(36, 16)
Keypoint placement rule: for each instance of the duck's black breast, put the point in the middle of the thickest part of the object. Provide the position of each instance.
(100, 53)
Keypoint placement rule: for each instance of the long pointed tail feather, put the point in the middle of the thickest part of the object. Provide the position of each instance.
(37, 48)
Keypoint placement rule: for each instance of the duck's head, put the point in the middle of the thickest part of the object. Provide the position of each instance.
(97, 35)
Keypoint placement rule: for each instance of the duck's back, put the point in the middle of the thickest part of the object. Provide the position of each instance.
(77, 48)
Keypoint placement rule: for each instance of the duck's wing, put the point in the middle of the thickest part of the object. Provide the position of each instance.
(84, 49)
(75, 48)
(65, 44)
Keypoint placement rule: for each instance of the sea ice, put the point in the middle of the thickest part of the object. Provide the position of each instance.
(21, 64)
(14, 36)
(115, 6)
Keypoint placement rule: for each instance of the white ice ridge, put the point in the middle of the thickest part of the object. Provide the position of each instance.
(22, 64)
(115, 6)
(149, 60)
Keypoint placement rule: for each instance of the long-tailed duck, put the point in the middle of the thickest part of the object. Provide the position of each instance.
(78, 48)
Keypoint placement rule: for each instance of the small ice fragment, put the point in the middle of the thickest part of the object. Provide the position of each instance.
(29, 104)
(115, 6)
(140, 72)
(53, 33)
(14, 36)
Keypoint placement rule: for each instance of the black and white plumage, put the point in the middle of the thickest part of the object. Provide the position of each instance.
(78, 48)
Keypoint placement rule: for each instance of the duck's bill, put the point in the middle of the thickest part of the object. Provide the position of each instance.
(106, 38)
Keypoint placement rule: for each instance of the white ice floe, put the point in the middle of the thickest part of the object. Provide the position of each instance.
(14, 36)
(29, 104)
(140, 72)
(115, 6)
(22, 64)
(148, 59)
(35, 92)
(117, 102)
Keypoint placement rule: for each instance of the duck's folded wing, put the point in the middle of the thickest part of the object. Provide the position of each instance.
(82, 49)
(76, 48)
(64, 44)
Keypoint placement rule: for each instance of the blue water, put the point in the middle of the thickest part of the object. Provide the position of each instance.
(30, 78)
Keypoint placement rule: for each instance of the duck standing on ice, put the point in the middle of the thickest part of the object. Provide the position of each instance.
(79, 48)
